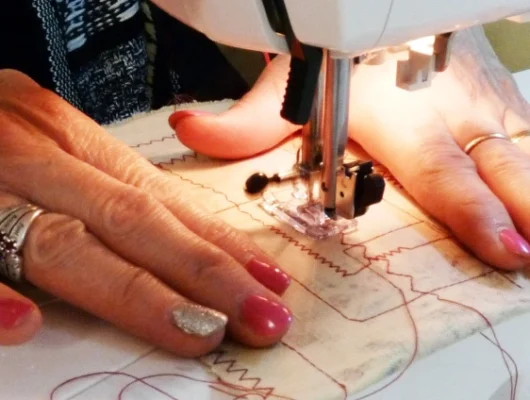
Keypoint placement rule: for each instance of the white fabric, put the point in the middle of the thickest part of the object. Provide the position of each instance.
(353, 298)
(362, 303)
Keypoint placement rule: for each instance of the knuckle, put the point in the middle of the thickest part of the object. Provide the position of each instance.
(506, 164)
(48, 102)
(127, 288)
(50, 105)
(215, 230)
(11, 77)
(21, 94)
(470, 208)
(442, 175)
(121, 211)
(53, 239)
(438, 164)
(471, 213)
(207, 265)
(10, 143)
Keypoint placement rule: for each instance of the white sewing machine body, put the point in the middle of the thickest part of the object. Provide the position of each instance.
(326, 40)
(351, 27)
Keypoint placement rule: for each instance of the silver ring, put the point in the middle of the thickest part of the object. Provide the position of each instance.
(14, 226)
(7, 211)
(475, 142)
(520, 136)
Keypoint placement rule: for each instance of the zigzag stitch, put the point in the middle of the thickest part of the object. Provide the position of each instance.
(232, 368)
(182, 158)
(302, 247)
(318, 257)
(162, 139)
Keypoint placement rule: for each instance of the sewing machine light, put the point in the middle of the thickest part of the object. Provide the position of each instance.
(424, 44)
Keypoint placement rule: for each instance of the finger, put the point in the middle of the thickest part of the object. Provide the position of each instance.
(81, 136)
(260, 265)
(136, 226)
(430, 162)
(61, 257)
(506, 170)
(20, 318)
(250, 127)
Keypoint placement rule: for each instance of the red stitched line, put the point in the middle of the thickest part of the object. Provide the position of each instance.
(162, 139)
(513, 382)
(231, 368)
(380, 257)
(341, 385)
(143, 380)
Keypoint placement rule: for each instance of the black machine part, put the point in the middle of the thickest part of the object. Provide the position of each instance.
(369, 186)
(305, 66)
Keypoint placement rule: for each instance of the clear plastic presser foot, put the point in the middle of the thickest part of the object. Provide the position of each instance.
(298, 210)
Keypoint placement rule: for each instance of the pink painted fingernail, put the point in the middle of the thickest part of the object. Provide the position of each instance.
(269, 276)
(266, 317)
(13, 313)
(180, 115)
(514, 242)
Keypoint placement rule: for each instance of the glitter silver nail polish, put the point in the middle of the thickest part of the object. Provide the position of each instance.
(197, 320)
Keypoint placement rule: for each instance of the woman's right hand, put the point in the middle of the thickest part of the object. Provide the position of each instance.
(119, 239)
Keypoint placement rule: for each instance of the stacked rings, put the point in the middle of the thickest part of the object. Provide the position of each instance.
(14, 226)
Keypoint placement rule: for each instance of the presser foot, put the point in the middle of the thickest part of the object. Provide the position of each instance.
(297, 209)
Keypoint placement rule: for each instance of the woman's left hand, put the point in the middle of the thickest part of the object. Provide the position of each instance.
(483, 197)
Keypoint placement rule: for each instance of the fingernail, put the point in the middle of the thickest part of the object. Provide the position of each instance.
(179, 115)
(265, 317)
(270, 276)
(514, 242)
(13, 313)
(197, 320)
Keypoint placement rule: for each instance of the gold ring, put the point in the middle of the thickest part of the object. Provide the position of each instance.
(520, 136)
(475, 142)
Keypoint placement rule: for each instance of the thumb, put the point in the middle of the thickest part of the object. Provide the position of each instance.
(251, 126)
(20, 318)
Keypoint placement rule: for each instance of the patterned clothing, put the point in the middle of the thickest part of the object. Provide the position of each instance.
(113, 58)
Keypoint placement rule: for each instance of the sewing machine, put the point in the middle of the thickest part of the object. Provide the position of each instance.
(326, 40)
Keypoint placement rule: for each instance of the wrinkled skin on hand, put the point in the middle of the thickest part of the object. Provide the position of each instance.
(482, 198)
(120, 240)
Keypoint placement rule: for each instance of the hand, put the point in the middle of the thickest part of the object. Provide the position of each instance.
(120, 240)
(483, 198)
